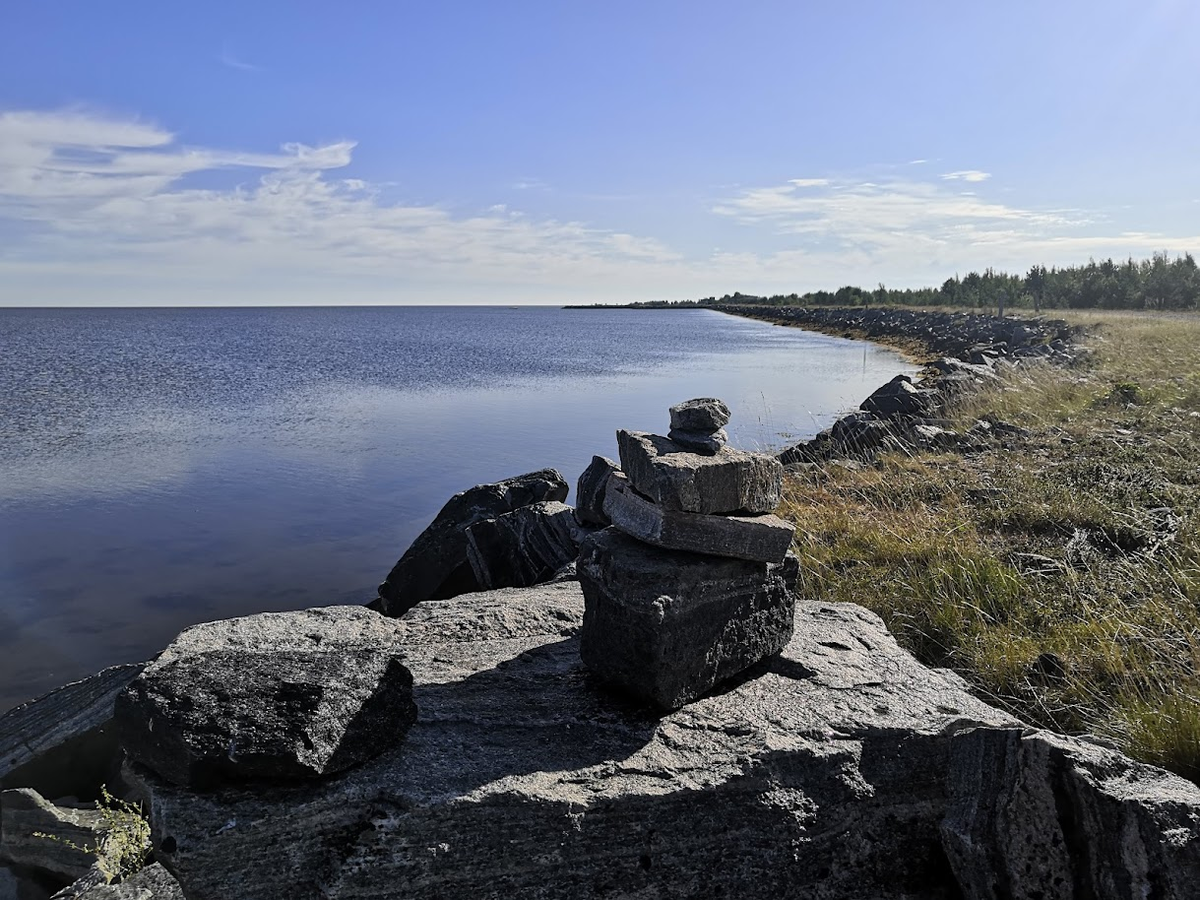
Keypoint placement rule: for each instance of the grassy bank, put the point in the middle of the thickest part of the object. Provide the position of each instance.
(1061, 574)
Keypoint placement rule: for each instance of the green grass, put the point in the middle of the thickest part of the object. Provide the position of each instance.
(1060, 576)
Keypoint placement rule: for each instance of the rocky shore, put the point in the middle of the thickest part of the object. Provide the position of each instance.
(624, 698)
(962, 352)
(962, 335)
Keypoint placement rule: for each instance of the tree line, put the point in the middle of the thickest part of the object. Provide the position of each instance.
(1159, 282)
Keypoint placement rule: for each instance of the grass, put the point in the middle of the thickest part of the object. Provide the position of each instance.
(123, 843)
(1060, 575)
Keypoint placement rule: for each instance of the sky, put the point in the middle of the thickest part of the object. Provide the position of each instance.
(156, 153)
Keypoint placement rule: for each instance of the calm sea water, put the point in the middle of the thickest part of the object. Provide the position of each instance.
(160, 467)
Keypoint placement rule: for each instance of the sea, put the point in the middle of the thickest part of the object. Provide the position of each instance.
(162, 467)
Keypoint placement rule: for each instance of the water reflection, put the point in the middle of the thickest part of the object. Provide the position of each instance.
(132, 505)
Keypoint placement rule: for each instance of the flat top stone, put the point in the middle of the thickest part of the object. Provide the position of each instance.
(327, 628)
(729, 481)
(765, 538)
(704, 414)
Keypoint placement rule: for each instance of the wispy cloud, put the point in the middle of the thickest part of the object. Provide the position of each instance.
(98, 208)
(870, 211)
(912, 230)
(89, 193)
(972, 175)
(227, 58)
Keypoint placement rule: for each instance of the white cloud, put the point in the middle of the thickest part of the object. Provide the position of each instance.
(909, 232)
(876, 212)
(90, 193)
(95, 208)
(972, 175)
(228, 59)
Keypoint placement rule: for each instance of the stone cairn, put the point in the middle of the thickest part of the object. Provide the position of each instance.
(689, 583)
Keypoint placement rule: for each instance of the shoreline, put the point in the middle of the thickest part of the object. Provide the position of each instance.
(876, 510)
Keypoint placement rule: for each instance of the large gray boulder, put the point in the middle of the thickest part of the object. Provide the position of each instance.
(1034, 815)
(825, 772)
(524, 547)
(764, 538)
(436, 566)
(666, 626)
(729, 482)
(271, 696)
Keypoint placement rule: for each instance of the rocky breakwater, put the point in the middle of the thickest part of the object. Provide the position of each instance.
(961, 335)
(906, 414)
(687, 586)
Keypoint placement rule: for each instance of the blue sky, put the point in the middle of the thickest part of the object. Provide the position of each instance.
(262, 153)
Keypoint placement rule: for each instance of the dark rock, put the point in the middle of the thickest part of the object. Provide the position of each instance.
(523, 547)
(566, 573)
(435, 567)
(985, 356)
(151, 883)
(589, 492)
(704, 414)
(61, 744)
(819, 774)
(272, 696)
(1036, 815)
(957, 384)
(23, 812)
(21, 884)
(949, 366)
(761, 538)
(666, 626)
(934, 437)
(1048, 667)
(699, 441)
(992, 430)
(859, 432)
(899, 397)
(729, 482)
(10, 885)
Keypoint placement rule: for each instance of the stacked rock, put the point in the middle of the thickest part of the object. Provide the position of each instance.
(690, 583)
(700, 424)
